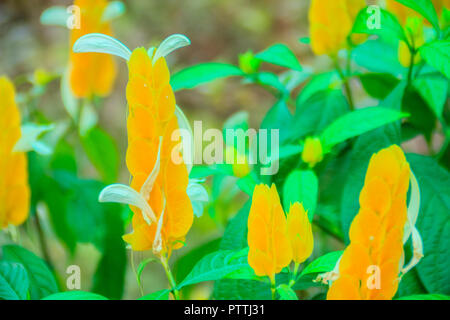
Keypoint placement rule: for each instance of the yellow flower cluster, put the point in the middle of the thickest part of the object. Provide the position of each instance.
(370, 266)
(330, 22)
(273, 239)
(14, 188)
(91, 73)
(151, 122)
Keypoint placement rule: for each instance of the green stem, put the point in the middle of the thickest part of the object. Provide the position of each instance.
(43, 242)
(294, 275)
(347, 88)
(170, 277)
(273, 288)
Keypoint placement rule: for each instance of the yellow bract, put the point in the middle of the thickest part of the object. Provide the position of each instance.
(312, 151)
(91, 73)
(273, 239)
(369, 267)
(270, 248)
(299, 233)
(152, 117)
(330, 24)
(14, 188)
(240, 166)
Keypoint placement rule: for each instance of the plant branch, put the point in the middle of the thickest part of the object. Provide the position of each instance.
(170, 277)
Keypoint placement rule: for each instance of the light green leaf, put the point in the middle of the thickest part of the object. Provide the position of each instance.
(280, 54)
(434, 91)
(390, 27)
(158, 295)
(13, 281)
(426, 297)
(356, 123)
(55, 16)
(223, 264)
(113, 10)
(75, 295)
(437, 54)
(98, 42)
(325, 263)
(88, 118)
(194, 76)
(102, 151)
(301, 186)
(42, 280)
(286, 293)
(425, 8)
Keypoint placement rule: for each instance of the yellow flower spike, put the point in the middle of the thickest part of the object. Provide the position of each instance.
(330, 23)
(415, 35)
(14, 188)
(91, 73)
(312, 151)
(299, 233)
(160, 188)
(370, 266)
(270, 248)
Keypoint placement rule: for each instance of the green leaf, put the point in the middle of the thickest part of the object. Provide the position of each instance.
(286, 293)
(42, 280)
(325, 263)
(433, 222)
(279, 118)
(13, 281)
(109, 277)
(268, 79)
(102, 152)
(301, 186)
(158, 295)
(280, 54)
(437, 55)
(425, 297)
(317, 112)
(235, 235)
(220, 265)
(378, 85)
(75, 295)
(425, 8)
(194, 76)
(141, 268)
(319, 82)
(356, 123)
(390, 25)
(434, 91)
(232, 289)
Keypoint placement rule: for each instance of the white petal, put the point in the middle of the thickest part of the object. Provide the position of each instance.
(55, 16)
(113, 10)
(150, 181)
(171, 43)
(150, 51)
(120, 193)
(417, 250)
(98, 42)
(30, 133)
(413, 207)
(197, 195)
(157, 243)
(183, 123)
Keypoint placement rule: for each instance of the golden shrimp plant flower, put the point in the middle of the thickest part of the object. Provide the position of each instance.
(161, 196)
(330, 24)
(275, 240)
(14, 189)
(91, 73)
(371, 266)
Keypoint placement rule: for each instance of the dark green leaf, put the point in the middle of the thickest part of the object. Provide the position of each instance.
(13, 281)
(426, 297)
(378, 85)
(158, 295)
(42, 280)
(425, 8)
(102, 152)
(325, 263)
(286, 293)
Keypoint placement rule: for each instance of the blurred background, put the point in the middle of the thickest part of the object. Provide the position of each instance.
(219, 31)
